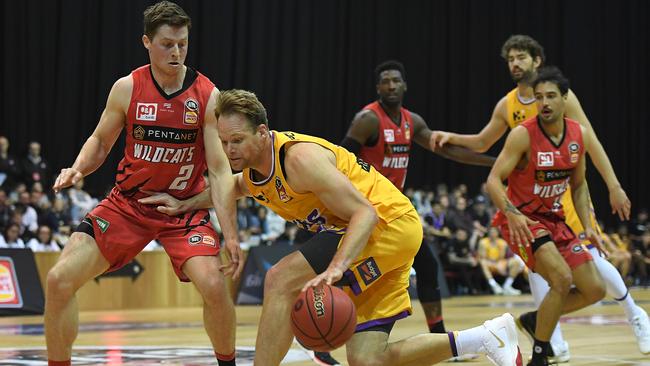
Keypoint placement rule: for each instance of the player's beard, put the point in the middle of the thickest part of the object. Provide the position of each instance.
(526, 77)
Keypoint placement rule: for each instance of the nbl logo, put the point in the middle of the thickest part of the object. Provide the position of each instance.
(146, 111)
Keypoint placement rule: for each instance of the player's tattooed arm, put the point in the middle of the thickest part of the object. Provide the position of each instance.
(510, 207)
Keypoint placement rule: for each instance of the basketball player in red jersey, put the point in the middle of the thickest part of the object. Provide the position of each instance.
(540, 159)
(524, 56)
(167, 111)
(381, 134)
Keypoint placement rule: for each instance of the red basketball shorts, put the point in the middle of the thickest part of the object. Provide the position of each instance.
(122, 227)
(565, 240)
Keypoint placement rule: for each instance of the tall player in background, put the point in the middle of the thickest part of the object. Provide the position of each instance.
(381, 134)
(524, 55)
(166, 108)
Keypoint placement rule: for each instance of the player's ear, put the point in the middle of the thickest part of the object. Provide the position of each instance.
(405, 85)
(146, 41)
(263, 130)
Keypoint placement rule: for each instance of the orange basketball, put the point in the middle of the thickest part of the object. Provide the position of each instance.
(323, 318)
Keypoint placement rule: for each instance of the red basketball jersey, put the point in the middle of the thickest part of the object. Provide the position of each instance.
(164, 137)
(390, 155)
(538, 188)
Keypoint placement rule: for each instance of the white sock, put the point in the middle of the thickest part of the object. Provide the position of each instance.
(493, 283)
(469, 340)
(615, 286)
(539, 288)
(508, 282)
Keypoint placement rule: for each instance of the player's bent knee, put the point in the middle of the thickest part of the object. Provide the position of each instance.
(275, 279)
(59, 285)
(596, 292)
(561, 281)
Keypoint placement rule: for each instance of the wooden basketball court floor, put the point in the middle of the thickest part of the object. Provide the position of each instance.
(598, 335)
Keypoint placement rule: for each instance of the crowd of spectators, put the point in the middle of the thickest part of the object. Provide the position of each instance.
(456, 225)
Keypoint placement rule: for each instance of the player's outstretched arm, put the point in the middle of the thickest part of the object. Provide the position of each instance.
(482, 141)
(618, 199)
(424, 137)
(99, 144)
(172, 206)
(312, 168)
(222, 188)
(516, 146)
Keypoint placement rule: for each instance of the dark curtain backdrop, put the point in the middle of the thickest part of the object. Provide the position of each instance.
(311, 64)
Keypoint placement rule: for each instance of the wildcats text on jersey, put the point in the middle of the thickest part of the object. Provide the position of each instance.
(395, 162)
(553, 190)
(158, 154)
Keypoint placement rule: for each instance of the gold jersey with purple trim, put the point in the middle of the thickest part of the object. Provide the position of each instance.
(518, 111)
(379, 276)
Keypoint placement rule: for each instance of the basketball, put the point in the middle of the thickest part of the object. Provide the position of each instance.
(323, 318)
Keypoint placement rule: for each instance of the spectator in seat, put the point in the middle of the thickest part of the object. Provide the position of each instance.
(493, 257)
(9, 167)
(44, 241)
(34, 168)
(11, 237)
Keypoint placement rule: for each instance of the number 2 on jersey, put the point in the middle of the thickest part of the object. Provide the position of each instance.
(184, 174)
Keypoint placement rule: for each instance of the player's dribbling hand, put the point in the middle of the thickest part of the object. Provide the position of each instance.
(330, 276)
(67, 178)
(518, 224)
(621, 205)
(166, 203)
(439, 139)
(595, 239)
(236, 264)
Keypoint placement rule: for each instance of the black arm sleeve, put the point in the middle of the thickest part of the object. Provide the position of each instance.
(351, 145)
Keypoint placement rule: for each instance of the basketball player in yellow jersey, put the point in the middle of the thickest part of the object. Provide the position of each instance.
(367, 236)
(524, 56)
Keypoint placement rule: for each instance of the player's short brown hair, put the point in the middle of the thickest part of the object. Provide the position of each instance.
(237, 101)
(523, 42)
(164, 12)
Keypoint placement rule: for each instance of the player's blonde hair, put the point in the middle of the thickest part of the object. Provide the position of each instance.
(241, 102)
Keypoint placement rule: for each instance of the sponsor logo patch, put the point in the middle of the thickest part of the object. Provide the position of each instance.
(282, 192)
(102, 224)
(209, 241)
(545, 159)
(202, 239)
(191, 113)
(552, 175)
(389, 135)
(138, 132)
(369, 271)
(146, 111)
(165, 134)
(577, 248)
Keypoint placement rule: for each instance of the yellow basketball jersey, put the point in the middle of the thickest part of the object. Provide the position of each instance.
(494, 252)
(305, 209)
(517, 112)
